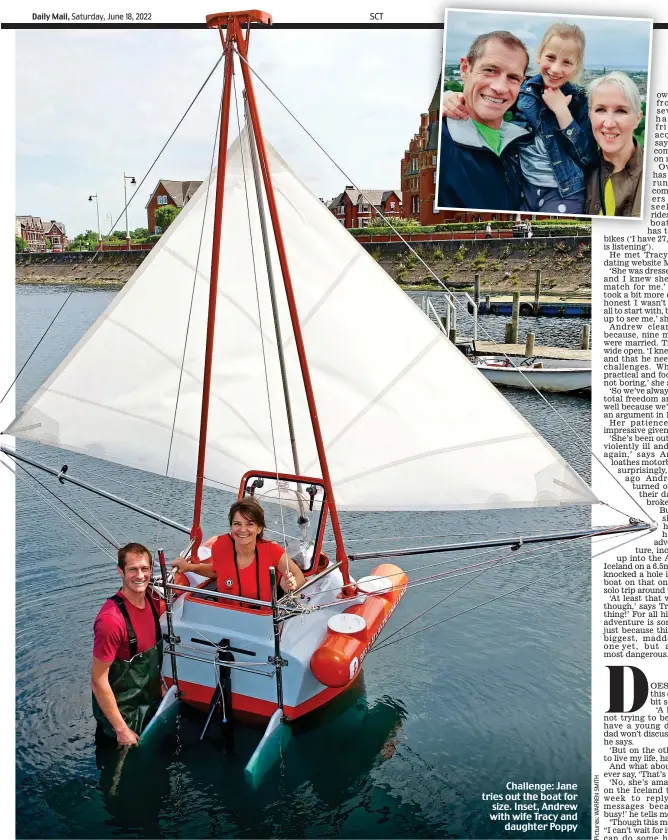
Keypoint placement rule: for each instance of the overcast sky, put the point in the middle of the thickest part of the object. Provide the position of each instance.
(93, 104)
(616, 43)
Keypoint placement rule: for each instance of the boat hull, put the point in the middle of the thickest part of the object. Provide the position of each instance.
(201, 625)
(528, 377)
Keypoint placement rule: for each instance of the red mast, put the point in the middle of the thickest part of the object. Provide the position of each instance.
(234, 22)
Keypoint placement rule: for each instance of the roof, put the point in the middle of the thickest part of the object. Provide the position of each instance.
(435, 104)
(335, 201)
(46, 226)
(179, 191)
(432, 141)
(30, 221)
(364, 196)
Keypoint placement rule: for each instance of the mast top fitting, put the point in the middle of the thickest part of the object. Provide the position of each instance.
(220, 19)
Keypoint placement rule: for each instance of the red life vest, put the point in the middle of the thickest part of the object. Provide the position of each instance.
(251, 582)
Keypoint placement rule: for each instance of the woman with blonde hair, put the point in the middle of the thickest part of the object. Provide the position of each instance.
(614, 187)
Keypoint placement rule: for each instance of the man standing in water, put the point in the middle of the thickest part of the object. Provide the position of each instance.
(127, 652)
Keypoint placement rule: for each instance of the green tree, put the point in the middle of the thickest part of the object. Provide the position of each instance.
(84, 242)
(164, 216)
(139, 234)
(457, 86)
(47, 242)
(21, 244)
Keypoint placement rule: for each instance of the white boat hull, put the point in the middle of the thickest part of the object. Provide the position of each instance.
(544, 378)
(202, 624)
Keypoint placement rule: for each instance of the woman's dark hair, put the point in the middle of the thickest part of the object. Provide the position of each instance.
(250, 509)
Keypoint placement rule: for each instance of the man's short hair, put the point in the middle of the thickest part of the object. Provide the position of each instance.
(131, 548)
(509, 40)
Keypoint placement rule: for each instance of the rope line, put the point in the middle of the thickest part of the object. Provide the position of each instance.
(251, 139)
(89, 510)
(72, 522)
(95, 255)
(161, 503)
(451, 573)
(65, 504)
(498, 597)
(349, 180)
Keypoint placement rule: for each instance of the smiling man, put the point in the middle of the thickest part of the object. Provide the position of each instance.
(127, 652)
(479, 162)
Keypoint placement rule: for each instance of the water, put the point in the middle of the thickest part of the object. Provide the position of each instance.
(549, 332)
(498, 694)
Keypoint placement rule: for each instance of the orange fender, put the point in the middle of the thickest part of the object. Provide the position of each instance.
(338, 659)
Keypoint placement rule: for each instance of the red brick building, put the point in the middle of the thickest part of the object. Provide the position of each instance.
(355, 208)
(169, 193)
(30, 229)
(418, 175)
(56, 233)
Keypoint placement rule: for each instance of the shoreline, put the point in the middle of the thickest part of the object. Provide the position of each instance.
(116, 285)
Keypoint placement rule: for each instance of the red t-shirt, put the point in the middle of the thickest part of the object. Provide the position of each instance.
(111, 635)
(222, 559)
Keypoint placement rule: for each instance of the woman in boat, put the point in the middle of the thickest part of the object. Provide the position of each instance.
(614, 187)
(240, 560)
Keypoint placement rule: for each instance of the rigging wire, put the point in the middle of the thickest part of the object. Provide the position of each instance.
(161, 503)
(64, 503)
(449, 535)
(72, 522)
(86, 474)
(120, 216)
(437, 604)
(97, 519)
(502, 595)
(251, 139)
(349, 180)
(464, 570)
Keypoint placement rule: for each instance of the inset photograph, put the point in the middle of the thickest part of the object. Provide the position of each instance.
(543, 114)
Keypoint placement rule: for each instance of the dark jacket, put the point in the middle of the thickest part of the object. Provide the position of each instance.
(471, 175)
(627, 185)
(571, 149)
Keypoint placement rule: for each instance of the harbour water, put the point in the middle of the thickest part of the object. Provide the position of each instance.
(491, 695)
(549, 332)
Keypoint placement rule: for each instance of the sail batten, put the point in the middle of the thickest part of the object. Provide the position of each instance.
(408, 422)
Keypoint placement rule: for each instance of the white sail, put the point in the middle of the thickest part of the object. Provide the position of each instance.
(407, 421)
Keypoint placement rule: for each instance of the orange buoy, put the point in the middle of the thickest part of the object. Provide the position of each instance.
(351, 634)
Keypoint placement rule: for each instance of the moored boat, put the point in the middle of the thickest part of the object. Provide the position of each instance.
(528, 374)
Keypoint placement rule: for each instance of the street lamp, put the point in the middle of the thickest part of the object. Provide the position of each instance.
(99, 229)
(132, 181)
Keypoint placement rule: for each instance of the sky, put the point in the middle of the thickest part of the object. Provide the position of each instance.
(615, 43)
(94, 104)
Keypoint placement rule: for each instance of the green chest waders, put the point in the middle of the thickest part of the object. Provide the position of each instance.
(136, 681)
